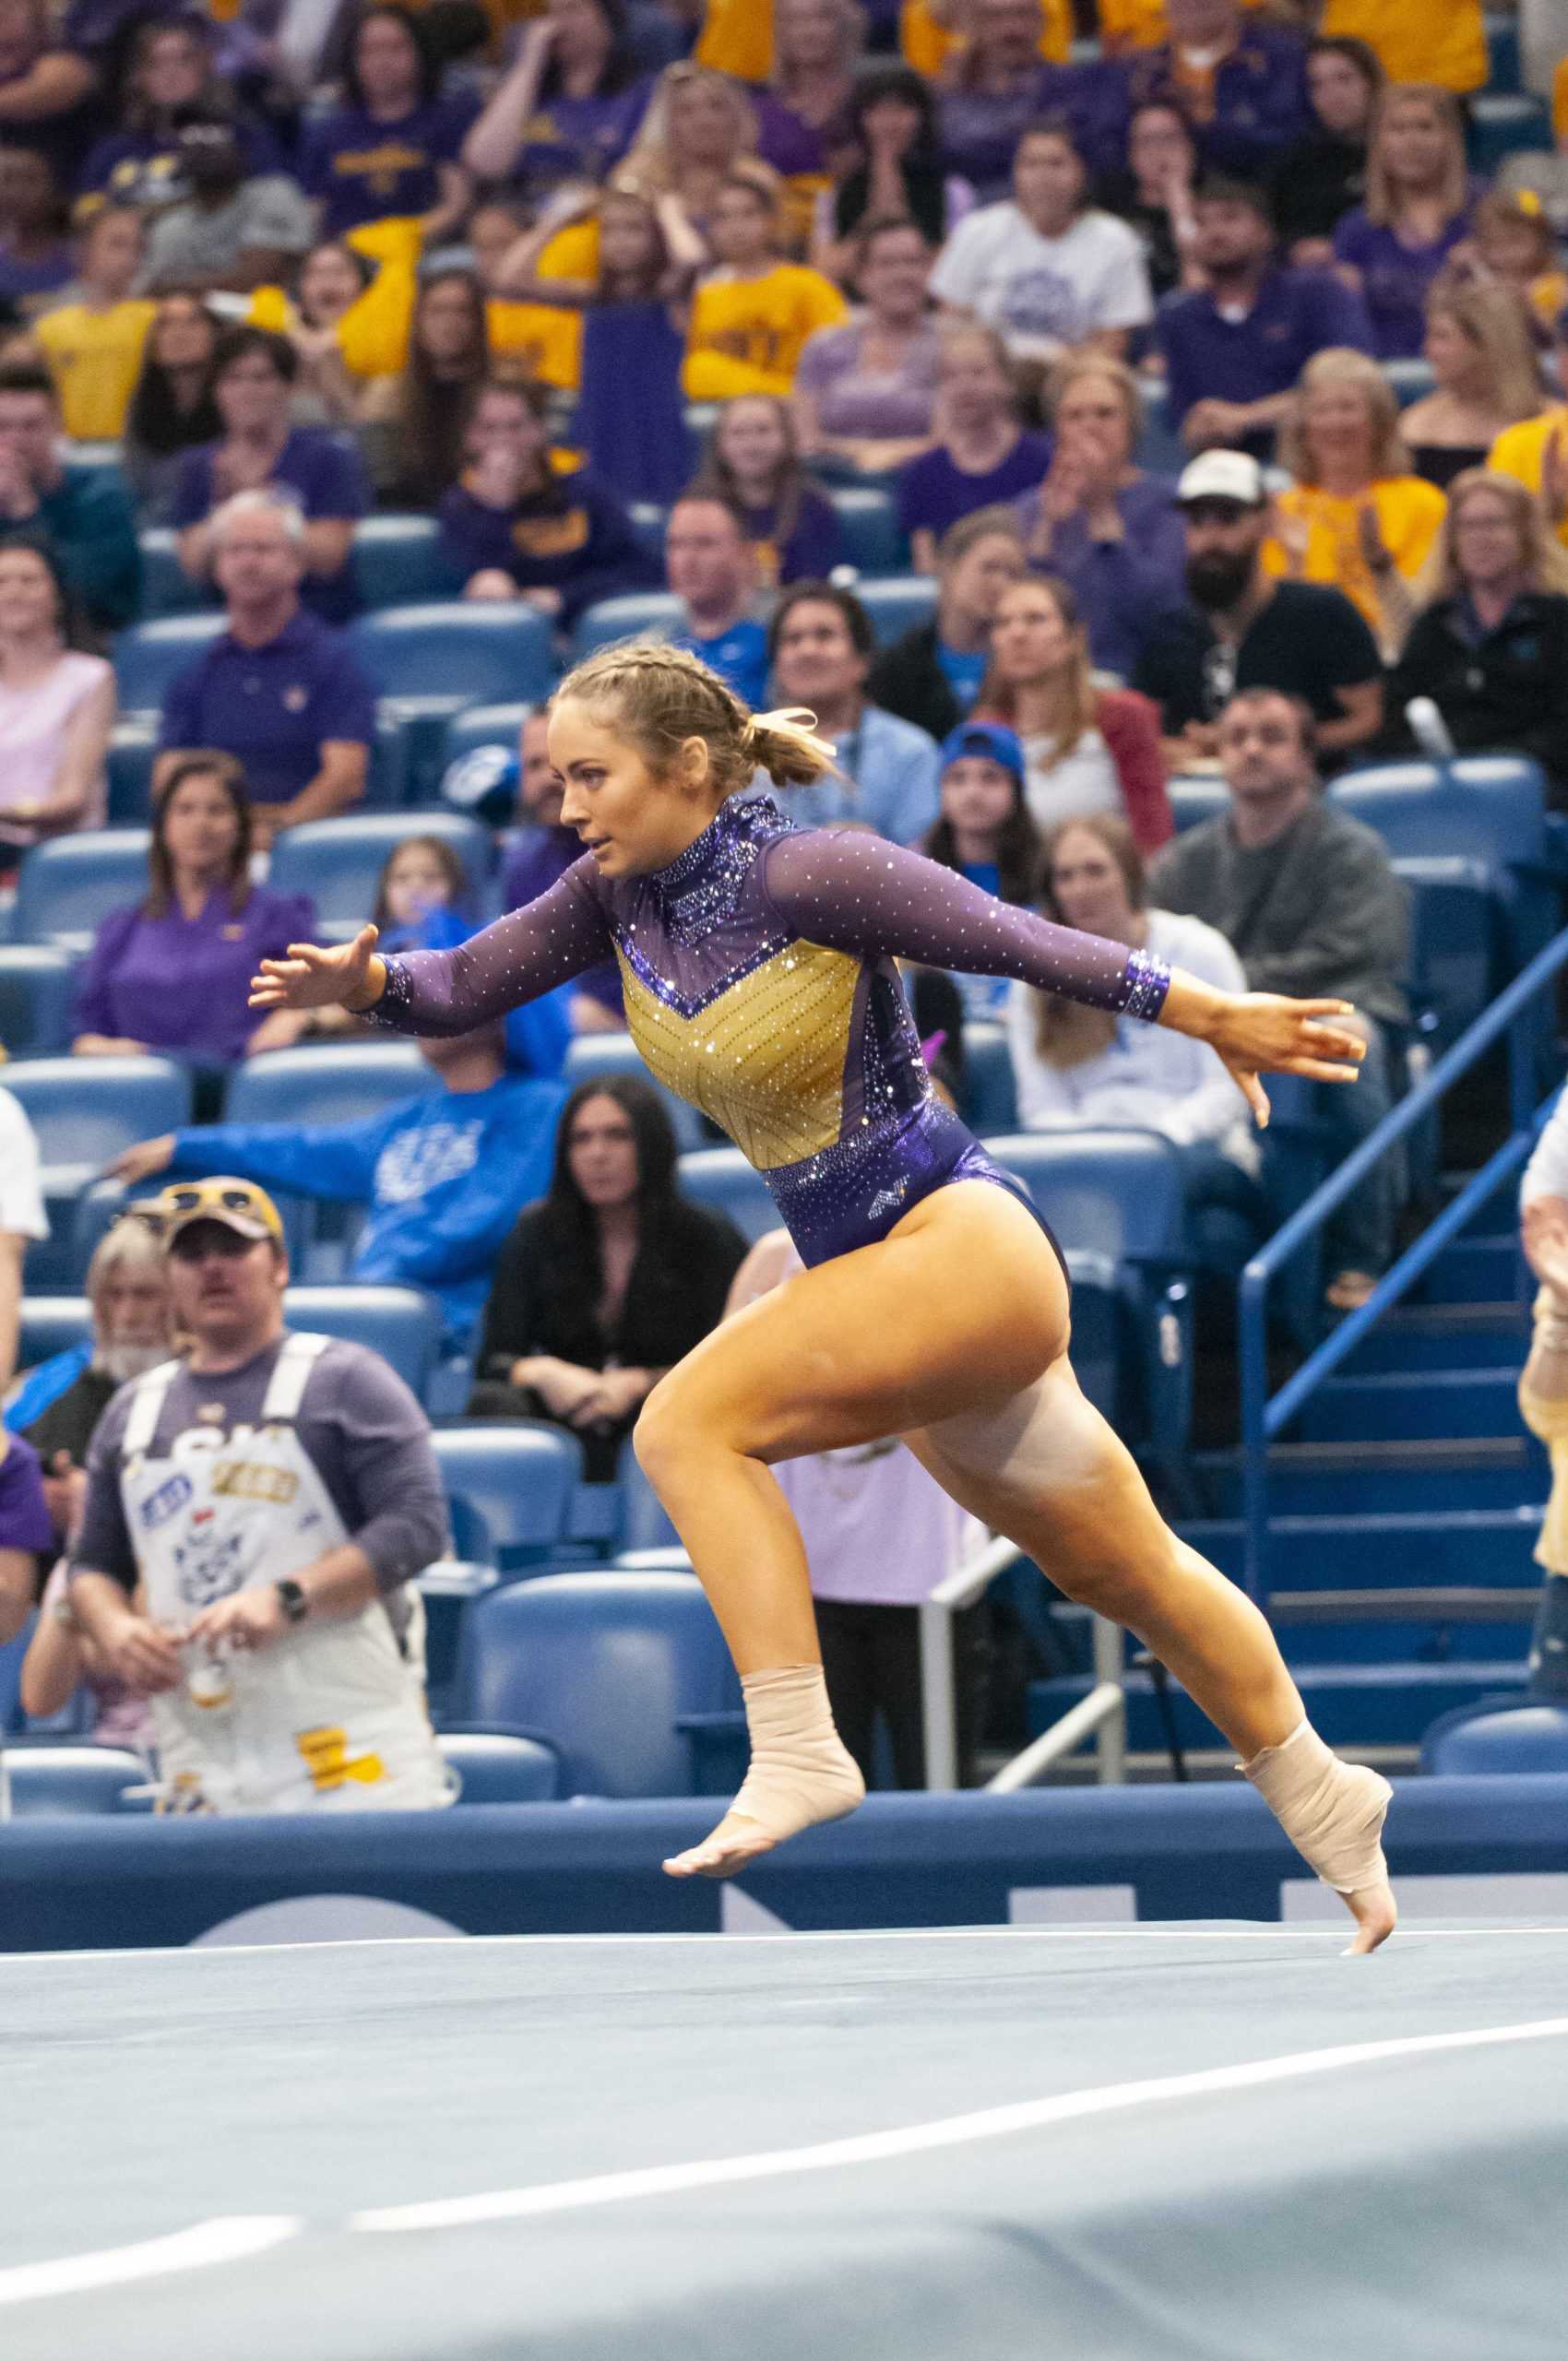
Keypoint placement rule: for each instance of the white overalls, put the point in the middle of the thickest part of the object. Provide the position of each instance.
(329, 1716)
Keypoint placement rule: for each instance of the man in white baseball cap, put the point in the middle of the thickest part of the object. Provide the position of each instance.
(1243, 629)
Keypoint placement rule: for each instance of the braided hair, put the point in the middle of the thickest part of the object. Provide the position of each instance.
(660, 696)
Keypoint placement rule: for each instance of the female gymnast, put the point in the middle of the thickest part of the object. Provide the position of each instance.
(757, 960)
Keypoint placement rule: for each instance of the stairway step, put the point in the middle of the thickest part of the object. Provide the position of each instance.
(1397, 1407)
(1349, 1704)
(1473, 1270)
(1443, 1336)
(1374, 1478)
(1493, 1547)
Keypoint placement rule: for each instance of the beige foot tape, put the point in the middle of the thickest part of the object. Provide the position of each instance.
(801, 1770)
(1332, 1811)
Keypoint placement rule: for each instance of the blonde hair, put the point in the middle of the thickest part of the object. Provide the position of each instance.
(1544, 560)
(1383, 196)
(1338, 365)
(650, 157)
(1066, 1032)
(660, 696)
(1496, 320)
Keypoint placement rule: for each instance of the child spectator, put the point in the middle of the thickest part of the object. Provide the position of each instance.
(93, 340)
(753, 464)
(1514, 243)
(752, 316)
(986, 834)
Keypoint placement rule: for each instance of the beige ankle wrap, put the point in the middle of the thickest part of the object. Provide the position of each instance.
(1332, 1811)
(801, 1770)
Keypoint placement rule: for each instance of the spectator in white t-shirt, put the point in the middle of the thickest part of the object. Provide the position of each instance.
(21, 1217)
(1078, 1066)
(1046, 268)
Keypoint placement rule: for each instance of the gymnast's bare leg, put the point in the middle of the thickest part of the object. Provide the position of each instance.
(953, 1333)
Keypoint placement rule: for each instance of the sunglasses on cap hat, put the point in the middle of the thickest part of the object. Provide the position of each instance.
(236, 1204)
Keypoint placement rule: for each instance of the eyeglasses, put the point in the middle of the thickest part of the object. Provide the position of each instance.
(182, 1202)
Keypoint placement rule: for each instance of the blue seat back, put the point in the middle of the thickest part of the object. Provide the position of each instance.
(897, 603)
(1485, 808)
(54, 1782)
(510, 1487)
(1452, 939)
(641, 614)
(12, 1653)
(35, 999)
(133, 753)
(66, 888)
(403, 1324)
(1116, 1193)
(721, 1179)
(483, 724)
(339, 863)
(149, 657)
(600, 1665)
(496, 1769)
(334, 1084)
(166, 587)
(874, 541)
(86, 1109)
(1512, 1740)
(990, 1090)
(399, 562)
(591, 1055)
(459, 651)
(51, 1325)
(1194, 801)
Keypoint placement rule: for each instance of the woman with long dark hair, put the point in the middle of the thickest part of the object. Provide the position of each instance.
(570, 106)
(605, 1282)
(173, 410)
(169, 972)
(985, 833)
(415, 422)
(392, 150)
(171, 81)
(752, 464)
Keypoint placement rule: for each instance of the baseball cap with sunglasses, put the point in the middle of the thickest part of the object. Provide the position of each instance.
(238, 1204)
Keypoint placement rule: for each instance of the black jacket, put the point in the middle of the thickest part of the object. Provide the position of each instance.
(1505, 694)
(908, 680)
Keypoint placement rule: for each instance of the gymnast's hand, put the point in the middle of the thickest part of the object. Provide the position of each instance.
(346, 976)
(1255, 1033)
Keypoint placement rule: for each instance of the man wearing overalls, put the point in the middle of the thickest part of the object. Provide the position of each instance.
(255, 1514)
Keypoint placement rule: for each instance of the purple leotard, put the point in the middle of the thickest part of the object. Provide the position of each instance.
(760, 984)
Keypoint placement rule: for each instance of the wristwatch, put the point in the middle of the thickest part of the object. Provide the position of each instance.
(292, 1598)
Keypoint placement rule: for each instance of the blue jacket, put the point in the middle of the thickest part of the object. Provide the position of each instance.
(442, 1179)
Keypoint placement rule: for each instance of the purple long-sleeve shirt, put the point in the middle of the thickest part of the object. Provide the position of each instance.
(760, 985)
(1120, 586)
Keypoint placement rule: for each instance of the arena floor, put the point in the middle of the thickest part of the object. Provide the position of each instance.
(1206, 2143)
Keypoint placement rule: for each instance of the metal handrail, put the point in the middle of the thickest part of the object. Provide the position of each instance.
(1102, 1714)
(1264, 1415)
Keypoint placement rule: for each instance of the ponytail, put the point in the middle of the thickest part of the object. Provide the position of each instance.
(660, 696)
(783, 745)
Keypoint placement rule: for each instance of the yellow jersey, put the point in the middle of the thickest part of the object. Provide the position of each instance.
(95, 359)
(746, 334)
(1445, 44)
(928, 42)
(1520, 451)
(1138, 24)
(547, 338)
(1409, 512)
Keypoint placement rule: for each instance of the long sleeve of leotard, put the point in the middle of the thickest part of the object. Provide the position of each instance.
(551, 939)
(855, 892)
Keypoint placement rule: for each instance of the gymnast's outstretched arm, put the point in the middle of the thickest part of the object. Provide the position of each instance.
(551, 939)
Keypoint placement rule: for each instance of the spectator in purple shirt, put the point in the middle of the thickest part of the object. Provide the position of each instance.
(524, 522)
(173, 972)
(570, 106)
(866, 393)
(1234, 348)
(45, 88)
(254, 374)
(26, 1531)
(815, 44)
(982, 454)
(170, 80)
(278, 690)
(392, 152)
(1003, 88)
(752, 463)
(544, 850)
(1417, 210)
(36, 257)
(1243, 84)
(1097, 522)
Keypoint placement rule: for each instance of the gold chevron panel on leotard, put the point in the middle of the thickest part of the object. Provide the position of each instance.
(765, 1058)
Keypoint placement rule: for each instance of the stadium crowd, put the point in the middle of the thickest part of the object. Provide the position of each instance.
(1067, 408)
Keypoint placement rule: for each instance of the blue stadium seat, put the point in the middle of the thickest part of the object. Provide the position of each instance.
(49, 1325)
(589, 1055)
(897, 604)
(641, 614)
(720, 1178)
(150, 657)
(496, 1770)
(339, 863)
(1504, 123)
(1160, 449)
(166, 587)
(601, 1667)
(68, 887)
(1506, 1740)
(482, 724)
(1504, 66)
(35, 999)
(1117, 1197)
(133, 750)
(337, 1083)
(990, 1093)
(12, 1653)
(874, 541)
(427, 662)
(510, 1487)
(53, 1782)
(649, 519)
(1454, 948)
(399, 562)
(84, 1111)
(403, 1324)
(1193, 800)
(1411, 380)
(645, 1521)
(1485, 808)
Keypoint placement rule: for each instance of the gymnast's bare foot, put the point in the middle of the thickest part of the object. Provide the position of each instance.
(1376, 1915)
(737, 1840)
